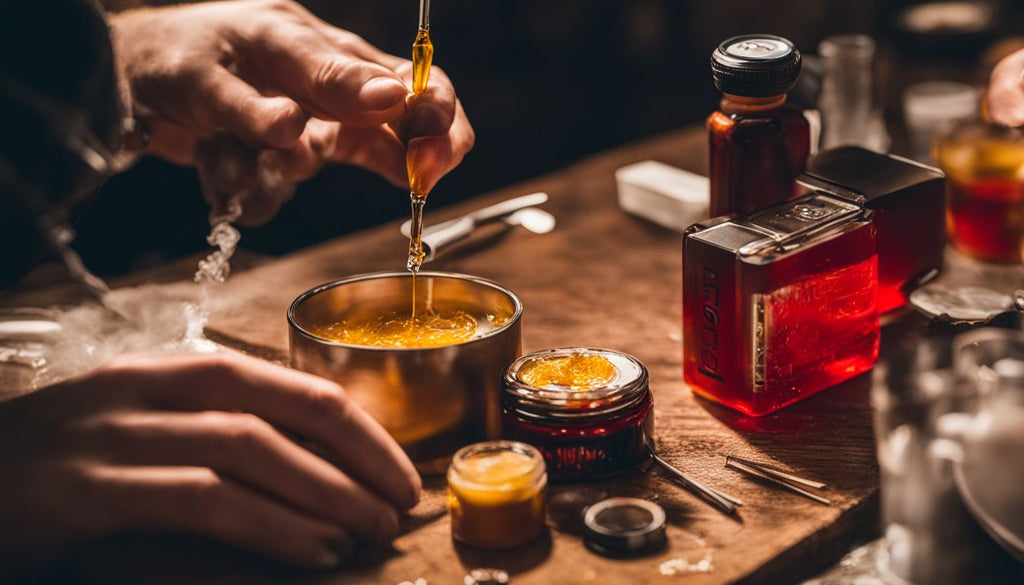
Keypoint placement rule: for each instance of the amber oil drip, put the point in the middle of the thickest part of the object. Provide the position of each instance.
(422, 57)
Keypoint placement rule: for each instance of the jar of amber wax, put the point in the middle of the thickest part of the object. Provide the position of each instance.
(497, 492)
(590, 412)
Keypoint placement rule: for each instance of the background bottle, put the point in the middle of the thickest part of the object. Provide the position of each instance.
(757, 144)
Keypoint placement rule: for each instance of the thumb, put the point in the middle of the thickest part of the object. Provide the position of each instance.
(356, 93)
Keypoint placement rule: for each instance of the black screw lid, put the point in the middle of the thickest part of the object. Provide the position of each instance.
(755, 65)
(624, 527)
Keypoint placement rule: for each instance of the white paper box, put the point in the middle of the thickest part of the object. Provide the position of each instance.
(668, 196)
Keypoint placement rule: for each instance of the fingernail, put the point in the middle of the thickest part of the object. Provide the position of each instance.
(387, 527)
(382, 93)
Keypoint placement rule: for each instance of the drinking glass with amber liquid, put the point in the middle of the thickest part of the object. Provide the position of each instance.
(984, 166)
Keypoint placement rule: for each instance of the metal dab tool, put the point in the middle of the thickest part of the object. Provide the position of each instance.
(724, 502)
(780, 478)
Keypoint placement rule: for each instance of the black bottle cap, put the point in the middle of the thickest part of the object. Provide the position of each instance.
(755, 65)
(619, 527)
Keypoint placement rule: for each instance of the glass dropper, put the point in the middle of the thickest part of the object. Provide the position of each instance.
(424, 14)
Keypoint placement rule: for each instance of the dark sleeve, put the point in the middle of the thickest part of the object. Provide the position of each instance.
(57, 85)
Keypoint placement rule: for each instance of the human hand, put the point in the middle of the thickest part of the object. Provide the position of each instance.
(1006, 91)
(287, 84)
(191, 443)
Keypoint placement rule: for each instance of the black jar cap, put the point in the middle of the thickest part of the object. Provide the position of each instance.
(620, 527)
(755, 65)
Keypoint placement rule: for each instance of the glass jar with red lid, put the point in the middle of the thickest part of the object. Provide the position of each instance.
(590, 412)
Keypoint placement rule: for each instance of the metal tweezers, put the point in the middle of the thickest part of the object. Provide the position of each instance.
(721, 500)
(780, 478)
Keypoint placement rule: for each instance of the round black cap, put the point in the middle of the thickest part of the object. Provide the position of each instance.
(755, 65)
(624, 527)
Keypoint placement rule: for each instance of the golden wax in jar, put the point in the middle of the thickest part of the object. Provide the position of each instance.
(576, 371)
(402, 329)
(497, 494)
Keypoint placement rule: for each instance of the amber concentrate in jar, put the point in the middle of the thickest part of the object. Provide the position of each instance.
(397, 329)
(576, 371)
(589, 411)
(497, 494)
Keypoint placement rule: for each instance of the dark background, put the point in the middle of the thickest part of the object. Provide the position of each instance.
(545, 82)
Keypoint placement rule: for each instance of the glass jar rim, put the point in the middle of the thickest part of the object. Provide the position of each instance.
(537, 471)
(626, 389)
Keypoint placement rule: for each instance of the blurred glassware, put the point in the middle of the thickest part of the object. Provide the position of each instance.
(849, 117)
(932, 108)
(27, 337)
(949, 17)
(989, 458)
(930, 534)
(984, 166)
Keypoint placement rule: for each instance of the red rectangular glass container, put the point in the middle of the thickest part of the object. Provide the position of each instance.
(907, 202)
(779, 304)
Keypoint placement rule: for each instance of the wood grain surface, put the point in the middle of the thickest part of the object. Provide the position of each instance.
(601, 278)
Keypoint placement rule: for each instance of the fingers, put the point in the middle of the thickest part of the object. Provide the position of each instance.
(250, 451)
(200, 501)
(330, 81)
(302, 160)
(224, 103)
(434, 156)
(376, 149)
(171, 141)
(1006, 91)
(233, 105)
(308, 405)
(430, 113)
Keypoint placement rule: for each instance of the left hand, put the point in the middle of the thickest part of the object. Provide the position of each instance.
(287, 84)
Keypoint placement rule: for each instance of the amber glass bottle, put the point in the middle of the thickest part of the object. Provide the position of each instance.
(758, 145)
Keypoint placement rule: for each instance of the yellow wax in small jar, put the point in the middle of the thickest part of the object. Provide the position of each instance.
(576, 371)
(497, 494)
(397, 329)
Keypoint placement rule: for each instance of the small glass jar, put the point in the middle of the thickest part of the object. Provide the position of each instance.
(497, 494)
(584, 430)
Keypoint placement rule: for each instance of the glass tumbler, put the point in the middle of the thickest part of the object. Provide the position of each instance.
(984, 166)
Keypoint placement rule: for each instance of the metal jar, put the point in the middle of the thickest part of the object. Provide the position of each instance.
(432, 400)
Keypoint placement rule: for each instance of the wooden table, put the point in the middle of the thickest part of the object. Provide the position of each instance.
(602, 278)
